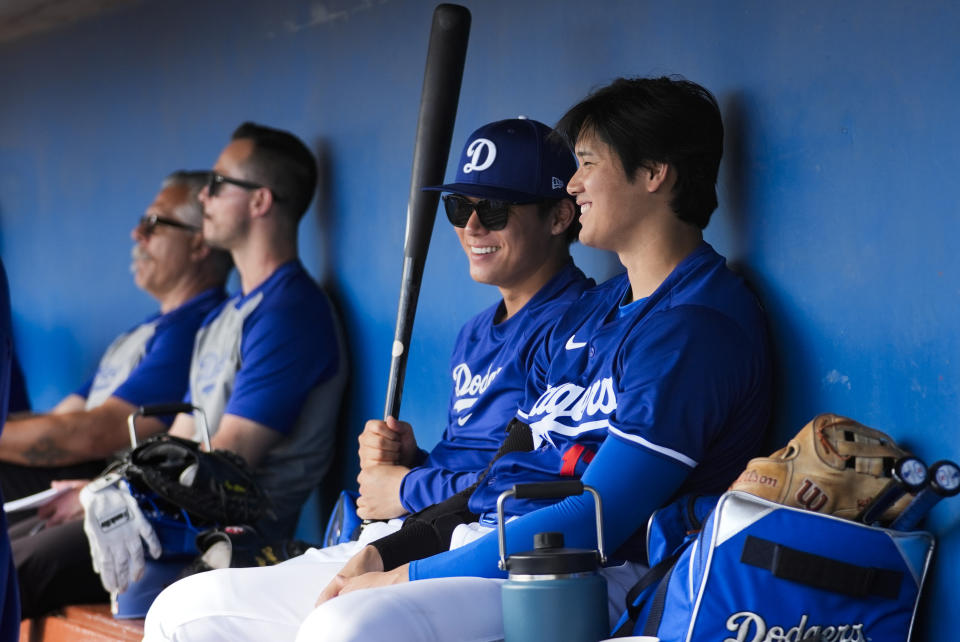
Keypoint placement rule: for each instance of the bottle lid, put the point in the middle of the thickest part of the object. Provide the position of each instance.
(549, 557)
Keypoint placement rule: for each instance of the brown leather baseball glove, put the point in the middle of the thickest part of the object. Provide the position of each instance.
(834, 465)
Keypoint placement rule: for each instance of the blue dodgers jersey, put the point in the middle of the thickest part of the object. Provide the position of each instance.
(259, 354)
(149, 364)
(488, 367)
(684, 374)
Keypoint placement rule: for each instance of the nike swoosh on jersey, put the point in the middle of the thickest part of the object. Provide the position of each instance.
(574, 345)
(464, 419)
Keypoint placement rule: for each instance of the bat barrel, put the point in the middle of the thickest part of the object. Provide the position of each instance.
(446, 55)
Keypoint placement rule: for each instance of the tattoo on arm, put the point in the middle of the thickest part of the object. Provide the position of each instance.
(45, 452)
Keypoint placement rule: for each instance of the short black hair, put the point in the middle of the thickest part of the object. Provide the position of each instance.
(283, 163)
(658, 120)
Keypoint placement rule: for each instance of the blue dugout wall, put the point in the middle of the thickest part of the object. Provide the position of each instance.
(836, 190)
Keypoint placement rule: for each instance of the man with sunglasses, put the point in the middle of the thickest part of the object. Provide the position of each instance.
(515, 223)
(147, 365)
(269, 365)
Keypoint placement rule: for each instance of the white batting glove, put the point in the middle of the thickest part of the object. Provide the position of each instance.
(114, 526)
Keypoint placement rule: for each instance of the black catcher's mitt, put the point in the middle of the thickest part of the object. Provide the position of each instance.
(213, 488)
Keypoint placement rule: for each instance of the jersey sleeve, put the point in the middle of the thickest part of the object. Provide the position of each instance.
(284, 354)
(163, 372)
(425, 486)
(632, 482)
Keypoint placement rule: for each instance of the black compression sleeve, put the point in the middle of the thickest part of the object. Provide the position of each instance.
(428, 532)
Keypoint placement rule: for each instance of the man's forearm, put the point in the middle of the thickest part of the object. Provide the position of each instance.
(69, 438)
(49, 440)
(28, 442)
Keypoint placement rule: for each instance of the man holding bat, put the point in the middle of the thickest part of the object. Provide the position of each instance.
(515, 222)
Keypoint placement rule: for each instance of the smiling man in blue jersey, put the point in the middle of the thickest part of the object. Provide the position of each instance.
(653, 384)
(514, 220)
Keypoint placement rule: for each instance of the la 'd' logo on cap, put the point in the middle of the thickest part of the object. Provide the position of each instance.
(482, 153)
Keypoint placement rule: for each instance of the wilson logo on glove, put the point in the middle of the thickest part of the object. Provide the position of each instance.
(811, 496)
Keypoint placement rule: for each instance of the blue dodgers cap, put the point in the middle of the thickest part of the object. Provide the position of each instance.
(513, 160)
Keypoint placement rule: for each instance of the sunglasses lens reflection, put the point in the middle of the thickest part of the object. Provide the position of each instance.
(458, 210)
(492, 214)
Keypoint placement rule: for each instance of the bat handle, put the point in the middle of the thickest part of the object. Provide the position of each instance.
(909, 476)
(944, 482)
(409, 293)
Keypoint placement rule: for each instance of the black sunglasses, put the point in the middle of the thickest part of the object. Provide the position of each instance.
(150, 222)
(492, 214)
(215, 181)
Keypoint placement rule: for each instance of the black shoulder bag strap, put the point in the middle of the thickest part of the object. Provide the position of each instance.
(659, 573)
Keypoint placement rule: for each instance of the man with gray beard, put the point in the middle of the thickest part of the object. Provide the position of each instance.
(148, 364)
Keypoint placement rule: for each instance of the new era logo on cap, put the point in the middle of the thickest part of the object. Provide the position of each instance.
(556, 183)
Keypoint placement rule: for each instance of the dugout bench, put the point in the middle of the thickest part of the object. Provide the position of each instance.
(85, 623)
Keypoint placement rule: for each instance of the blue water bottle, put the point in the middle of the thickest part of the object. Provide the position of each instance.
(553, 594)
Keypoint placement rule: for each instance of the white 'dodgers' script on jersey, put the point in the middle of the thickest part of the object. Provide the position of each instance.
(583, 408)
(468, 388)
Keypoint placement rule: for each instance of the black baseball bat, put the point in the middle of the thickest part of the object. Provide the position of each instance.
(438, 111)
(909, 476)
(944, 482)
